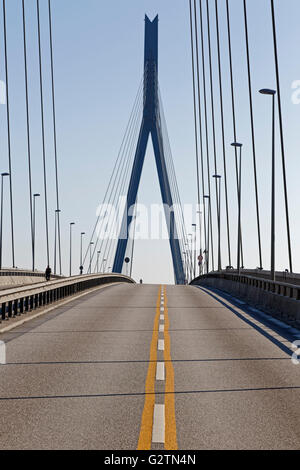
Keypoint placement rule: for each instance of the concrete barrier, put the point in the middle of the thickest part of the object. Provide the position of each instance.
(20, 300)
(279, 299)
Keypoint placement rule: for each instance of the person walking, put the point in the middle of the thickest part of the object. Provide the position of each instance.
(48, 273)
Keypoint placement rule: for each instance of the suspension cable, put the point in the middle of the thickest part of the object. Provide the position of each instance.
(43, 131)
(281, 135)
(119, 184)
(175, 184)
(54, 134)
(8, 136)
(223, 131)
(200, 131)
(195, 109)
(212, 103)
(114, 173)
(28, 130)
(207, 139)
(233, 113)
(117, 171)
(123, 182)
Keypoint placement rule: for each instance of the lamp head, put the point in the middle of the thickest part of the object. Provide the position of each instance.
(267, 91)
(237, 145)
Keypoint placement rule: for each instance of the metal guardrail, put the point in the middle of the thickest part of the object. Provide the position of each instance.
(291, 291)
(25, 273)
(15, 302)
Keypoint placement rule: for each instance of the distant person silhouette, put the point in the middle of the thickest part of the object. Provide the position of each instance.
(48, 273)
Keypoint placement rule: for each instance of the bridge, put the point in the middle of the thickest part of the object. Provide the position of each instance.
(96, 358)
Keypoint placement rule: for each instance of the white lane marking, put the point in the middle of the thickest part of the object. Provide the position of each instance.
(161, 328)
(2, 352)
(162, 317)
(162, 309)
(161, 344)
(160, 371)
(158, 432)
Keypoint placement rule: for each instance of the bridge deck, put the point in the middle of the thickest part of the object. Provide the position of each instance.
(76, 377)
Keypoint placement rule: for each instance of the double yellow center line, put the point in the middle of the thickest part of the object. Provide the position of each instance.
(170, 438)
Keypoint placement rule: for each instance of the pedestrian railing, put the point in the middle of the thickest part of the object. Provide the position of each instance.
(284, 289)
(15, 302)
(24, 273)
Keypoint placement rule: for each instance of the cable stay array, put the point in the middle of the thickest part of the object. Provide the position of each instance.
(218, 122)
(211, 88)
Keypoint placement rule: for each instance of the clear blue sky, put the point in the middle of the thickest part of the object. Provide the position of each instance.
(98, 53)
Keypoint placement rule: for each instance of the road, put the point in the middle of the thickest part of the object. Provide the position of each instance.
(90, 375)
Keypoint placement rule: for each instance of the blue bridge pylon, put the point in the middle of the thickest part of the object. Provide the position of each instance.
(151, 124)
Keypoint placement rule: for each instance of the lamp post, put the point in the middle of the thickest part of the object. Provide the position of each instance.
(90, 267)
(195, 248)
(184, 255)
(200, 240)
(71, 225)
(191, 253)
(57, 211)
(33, 230)
(187, 261)
(98, 254)
(104, 264)
(206, 197)
(1, 223)
(218, 179)
(239, 173)
(81, 237)
(272, 93)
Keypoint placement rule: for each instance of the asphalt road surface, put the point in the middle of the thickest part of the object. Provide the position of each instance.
(148, 367)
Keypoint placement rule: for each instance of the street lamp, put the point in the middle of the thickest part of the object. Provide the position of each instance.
(191, 254)
(206, 197)
(200, 241)
(218, 179)
(188, 255)
(272, 93)
(33, 230)
(57, 211)
(90, 267)
(81, 267)
(184, 254)
(237, 145)
(71, 225)
(195, 247)
(1, 223)
(98, 254)
(104, 265)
